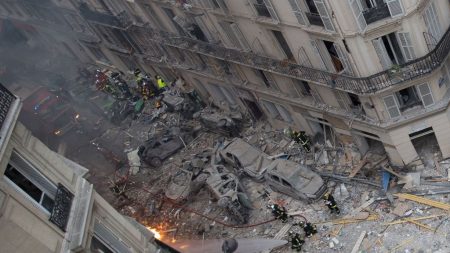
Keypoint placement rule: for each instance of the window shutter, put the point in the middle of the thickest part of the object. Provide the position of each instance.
(230, 34)
(382, 54)
(32, 174)
(392, 107)
(284, 113)
(316, 50)
(316, 96)
(272, 11)
(240, 37)
(303, 57)
(432, 22)
(107, 237)
(323, 12)
(342, 99)
(344, 59)
(395, 7)
(298, 12)
(357, 9)
(271, 109)
(406, 44)
(425, 94)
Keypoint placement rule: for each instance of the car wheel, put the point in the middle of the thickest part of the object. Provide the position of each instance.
(155, 162)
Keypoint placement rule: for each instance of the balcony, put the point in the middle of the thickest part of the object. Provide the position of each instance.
(314, 19)
(357, 85)
(378, 13)
(121, 21)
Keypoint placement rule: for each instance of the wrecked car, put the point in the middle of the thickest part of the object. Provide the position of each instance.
(228, 192)
(180, 103)
(157, 149)
(295, 180)
(187, 181)
(245, 157)
(218, 122)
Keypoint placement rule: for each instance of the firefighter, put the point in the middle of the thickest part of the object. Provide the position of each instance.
(160, 83)
(296, 240)
(139, 76)
(331, 203)
(309, 228)
(299, 137)
(121, 85)
(280, 213)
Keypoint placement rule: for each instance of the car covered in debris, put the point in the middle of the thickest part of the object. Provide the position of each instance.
(227, 190)
(218, 122)
(187, 181)
(156, 149)
(295, 180)
(245, 157)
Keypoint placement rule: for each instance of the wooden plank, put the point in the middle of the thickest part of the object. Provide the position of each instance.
(423, 200)
(358, 242)
(421, 225)
(358, 168)
(414, 219)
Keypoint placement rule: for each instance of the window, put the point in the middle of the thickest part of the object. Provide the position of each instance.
(235, 35)
(408, 98)
(298, 12)
(31, 182)
(277, 111)
(394, 48)
(105, 241)
(267, 78)
(369, 11)
(283, 44)
(218, 4)
(171, 16)
(264, 8)
(275, 178)
(304, 87)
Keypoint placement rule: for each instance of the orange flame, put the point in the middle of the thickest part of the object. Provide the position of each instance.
(155, 232)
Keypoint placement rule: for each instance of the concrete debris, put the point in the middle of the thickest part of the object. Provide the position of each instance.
(186, 183)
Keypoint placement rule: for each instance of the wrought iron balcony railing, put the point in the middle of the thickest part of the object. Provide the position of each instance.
(6, 100)
(120, 21)
(357, 85)
(378, 13)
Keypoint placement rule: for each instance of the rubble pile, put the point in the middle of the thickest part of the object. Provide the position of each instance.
(202, 190)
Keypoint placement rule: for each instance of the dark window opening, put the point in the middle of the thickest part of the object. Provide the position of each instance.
(264, 78)
(261, 8)
(99, 247)
(29, 187)
(312, 7)
(408, 98)
(197, 32)
(304, 87)
(393, 49)
(354, 99)
(334, 56)
(283, 43)
(285, 183)
(275, 178)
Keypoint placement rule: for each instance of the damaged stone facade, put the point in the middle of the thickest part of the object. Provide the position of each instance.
(368, 72)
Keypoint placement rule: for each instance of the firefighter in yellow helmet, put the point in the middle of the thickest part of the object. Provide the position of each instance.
(160, 83)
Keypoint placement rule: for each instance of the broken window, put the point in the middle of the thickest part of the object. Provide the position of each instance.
(31, 182)
(283, 44)
(318, 14)
(369, 11)
(407, 98)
